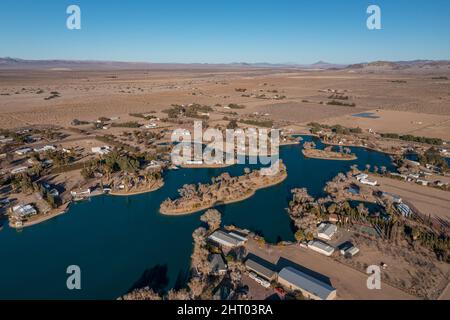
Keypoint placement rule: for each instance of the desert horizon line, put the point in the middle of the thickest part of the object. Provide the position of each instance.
(318, 62)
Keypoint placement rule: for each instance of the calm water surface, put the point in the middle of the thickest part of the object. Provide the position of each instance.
(122, 243)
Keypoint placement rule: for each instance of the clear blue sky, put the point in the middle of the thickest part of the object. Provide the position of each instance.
(214, 31)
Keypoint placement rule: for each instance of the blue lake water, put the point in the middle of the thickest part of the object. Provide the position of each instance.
(123, 242)
(367, 115)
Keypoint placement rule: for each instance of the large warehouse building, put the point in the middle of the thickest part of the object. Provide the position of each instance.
(311, 287)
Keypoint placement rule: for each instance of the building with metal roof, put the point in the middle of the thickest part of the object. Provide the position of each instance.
(311, 288)
(260, 270)
(326, 231)
(22, 212)
(217, 264)
(230, 240)
(321, 247)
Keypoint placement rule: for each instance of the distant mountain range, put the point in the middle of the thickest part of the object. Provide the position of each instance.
(15, 63)
(22, 64)
(401, 65)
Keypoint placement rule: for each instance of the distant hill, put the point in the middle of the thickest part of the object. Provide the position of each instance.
(326, 65)
(414, 65)
(22, 64)
(14, 63)
(377, 66)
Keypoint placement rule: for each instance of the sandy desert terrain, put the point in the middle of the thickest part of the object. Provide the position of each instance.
(406, 103)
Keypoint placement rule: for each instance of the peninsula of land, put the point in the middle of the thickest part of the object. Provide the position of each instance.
(328, 155)
(223, 190)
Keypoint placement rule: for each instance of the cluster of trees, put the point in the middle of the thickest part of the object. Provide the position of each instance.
(236, 106)
(408, 137)
(114, 161)
(25, 183)
(22, 183)
(191, 111)
(213, 218)
(338, 129)
(390, 226)
(433, 156)
(59, 158)
(142, 116)
(340, 103)
(53, 200)
(440, 244)
(130, 165)
(338, 96)
(130, 124)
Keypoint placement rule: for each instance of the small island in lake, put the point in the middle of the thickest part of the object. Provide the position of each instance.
(310, 151)
(223, 190)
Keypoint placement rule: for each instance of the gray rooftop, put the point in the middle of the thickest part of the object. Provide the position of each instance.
(259, 269)
(217, 263)
(226, 238)
(306, 282)
(328, 229)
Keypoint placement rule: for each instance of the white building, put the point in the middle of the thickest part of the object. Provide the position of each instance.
(24, 151)
(45, 149)
(85, 193)
(326, 231)
(362, 176)
(101, 150)
(321, 247)
(368, 182)
(23, 211)
(151, 126)
(230, 239)
(348, 249)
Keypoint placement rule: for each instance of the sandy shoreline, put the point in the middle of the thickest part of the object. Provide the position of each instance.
(137, 192)
(43, 217)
